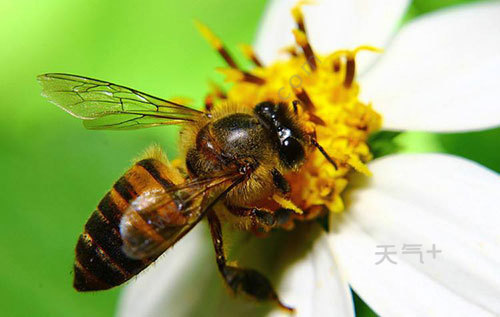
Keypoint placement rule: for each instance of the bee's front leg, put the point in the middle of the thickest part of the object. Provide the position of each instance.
(264, 219)
(240, 280)
(280, 182)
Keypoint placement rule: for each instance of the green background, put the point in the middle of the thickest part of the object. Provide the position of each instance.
(54, 171)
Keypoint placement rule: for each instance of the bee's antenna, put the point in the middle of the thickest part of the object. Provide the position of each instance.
(322, 150)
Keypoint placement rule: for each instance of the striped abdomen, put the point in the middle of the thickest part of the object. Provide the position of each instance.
(100, 260)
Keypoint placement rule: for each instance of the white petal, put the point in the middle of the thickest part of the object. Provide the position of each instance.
(312, 283)
(185, 282)
(331, 25)
(440, 73)
(423, 199)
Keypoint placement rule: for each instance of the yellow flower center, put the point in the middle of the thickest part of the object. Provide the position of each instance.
(328, 94)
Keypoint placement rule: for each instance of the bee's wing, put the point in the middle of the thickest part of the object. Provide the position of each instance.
(105, 105)
(154, 221)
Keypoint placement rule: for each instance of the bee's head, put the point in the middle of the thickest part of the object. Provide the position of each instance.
(289, 138)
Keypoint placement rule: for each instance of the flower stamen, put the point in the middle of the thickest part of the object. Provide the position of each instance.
(350, 71)
(336, 65)
(303, 42)
(216, 43)
(338, 122)
(304, 99)
(236, 75)
(291, 50)
(300, 35)
(216, 93)
(250, 54)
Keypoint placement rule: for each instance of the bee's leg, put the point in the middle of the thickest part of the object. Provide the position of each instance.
(280, 182)
(240, 280)
(264, 218)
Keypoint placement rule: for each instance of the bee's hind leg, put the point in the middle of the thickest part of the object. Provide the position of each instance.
(240, 280)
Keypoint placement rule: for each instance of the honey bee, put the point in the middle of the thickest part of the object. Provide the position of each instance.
(234, 159)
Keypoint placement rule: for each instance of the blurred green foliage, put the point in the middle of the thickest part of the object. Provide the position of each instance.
(54, 171)
(419, 7)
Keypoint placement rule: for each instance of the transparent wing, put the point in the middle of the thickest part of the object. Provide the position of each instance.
(155, 220)
(105, 105)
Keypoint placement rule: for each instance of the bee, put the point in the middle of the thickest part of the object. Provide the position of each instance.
(234, 159)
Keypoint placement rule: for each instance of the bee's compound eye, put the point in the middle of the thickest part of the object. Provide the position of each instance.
(265, 109)
(266, 105)
(291, 152)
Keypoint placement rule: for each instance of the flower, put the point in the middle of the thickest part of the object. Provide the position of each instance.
(439, 73)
